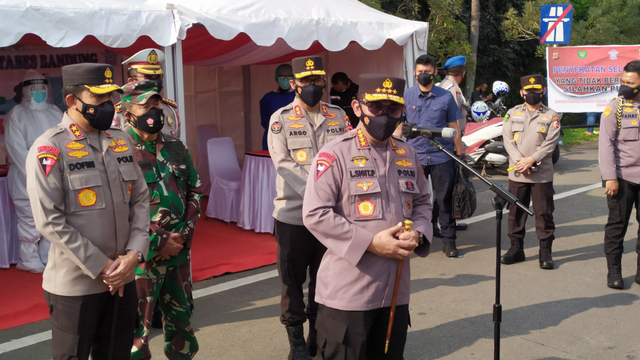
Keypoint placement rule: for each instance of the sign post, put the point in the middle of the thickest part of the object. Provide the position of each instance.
(555, 24)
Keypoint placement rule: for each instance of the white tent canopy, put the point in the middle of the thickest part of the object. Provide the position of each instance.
(333, 23)
(115, 23)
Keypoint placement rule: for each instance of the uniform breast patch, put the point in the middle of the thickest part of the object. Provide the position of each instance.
(119, 145)
(403, 163)
(301, 156)
(409, 205)
(78, 154)
(364, 185)
(400, 151)
(87, 197)
(296, 126)
(74, 145)
(516, 136)
(366, 208)
(360, 161)
(333, 123)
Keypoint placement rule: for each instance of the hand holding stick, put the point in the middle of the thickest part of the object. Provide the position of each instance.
(407, 228)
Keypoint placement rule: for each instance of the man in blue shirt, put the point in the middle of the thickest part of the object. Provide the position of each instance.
(431, 106)
(274, 100)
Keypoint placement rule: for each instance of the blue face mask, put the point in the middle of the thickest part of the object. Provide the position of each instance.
(283, 83)
(39, 96)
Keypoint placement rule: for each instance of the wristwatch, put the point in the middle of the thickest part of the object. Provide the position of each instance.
(140, 257)
(421, 238)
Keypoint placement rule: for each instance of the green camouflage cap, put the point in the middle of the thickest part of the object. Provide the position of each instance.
(139, 92)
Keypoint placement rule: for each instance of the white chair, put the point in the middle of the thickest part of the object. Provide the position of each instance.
(205, 132)
(226, 176)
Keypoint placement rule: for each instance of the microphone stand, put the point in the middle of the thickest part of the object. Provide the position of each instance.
(499, 201)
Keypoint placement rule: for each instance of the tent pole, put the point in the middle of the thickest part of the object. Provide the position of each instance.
(179, 88)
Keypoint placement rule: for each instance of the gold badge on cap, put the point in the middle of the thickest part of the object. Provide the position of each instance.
(108, 74)
(152, 58)
(532, 80)
(310, 64)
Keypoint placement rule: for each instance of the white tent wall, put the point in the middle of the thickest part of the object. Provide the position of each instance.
(215, 94)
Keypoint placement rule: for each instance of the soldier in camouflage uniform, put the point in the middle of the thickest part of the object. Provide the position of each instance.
(174, 202)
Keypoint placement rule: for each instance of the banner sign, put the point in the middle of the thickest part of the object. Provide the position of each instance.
(585, 78)
(49, 62)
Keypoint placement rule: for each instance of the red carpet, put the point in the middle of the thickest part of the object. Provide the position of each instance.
(218, 248)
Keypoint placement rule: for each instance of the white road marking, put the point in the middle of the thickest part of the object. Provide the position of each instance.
(214, 289)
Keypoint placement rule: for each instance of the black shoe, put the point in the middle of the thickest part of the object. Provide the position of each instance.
(312, 343)
(546, 261)
(515, 253)
(298, 350)
(614, 276)
(156, 321)
(450, 249)
(462, 226)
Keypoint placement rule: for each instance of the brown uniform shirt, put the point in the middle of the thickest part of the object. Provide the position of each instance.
(171, 119)
(451, 85)
(294, 139)
(90, 200)
(531, 133)
(353, 193)
(619, 149)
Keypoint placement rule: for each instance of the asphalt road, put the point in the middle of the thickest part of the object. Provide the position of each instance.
(566, 313)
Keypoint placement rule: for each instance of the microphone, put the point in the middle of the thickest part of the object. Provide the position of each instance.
(411, 130)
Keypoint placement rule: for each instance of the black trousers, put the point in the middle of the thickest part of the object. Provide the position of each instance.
(298, 250)
(81, 325)
(542, 195)
(360, 335)
(442, 177)
(620, 207)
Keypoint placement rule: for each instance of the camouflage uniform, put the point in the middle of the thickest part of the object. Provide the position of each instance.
(174, 202)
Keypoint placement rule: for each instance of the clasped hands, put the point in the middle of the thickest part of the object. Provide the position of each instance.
(394, 243)
(116, 273)
(524, 165)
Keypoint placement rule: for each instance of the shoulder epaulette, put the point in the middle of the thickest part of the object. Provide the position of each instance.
(118, 107)
(170, 102)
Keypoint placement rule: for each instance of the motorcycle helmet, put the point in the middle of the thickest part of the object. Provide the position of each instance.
(479, 111)
(500, 88)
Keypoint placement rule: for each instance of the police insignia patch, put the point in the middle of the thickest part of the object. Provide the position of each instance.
(364, 185)
(409, 206)
(506, 117)
(47, 161)
(119, 145)
(114, 122)
(321, 166)
(78, 154)
(129, 189)
(301, 156)
(87, 197)
(296, 126)
(366, 208)
(555, 124)
(393, 143)
(516, 136)
(400, 151)
(629, 110)
(348, 126)
(403, 163)
(75, 130)
(634, 122)
(543, 129)
(276, 127)
(294, 118)
(410, 186)
(297, 110)
(327, 156)
(170, 120)
(607, 111)
(333, 123)
(545, 118)
(360, 161)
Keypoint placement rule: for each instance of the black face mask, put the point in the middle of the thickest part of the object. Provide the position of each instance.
(150, 122)
(380, 127)
(425, 79)
(533, 98)
(98, 116)
(310, 94)
(628, 92)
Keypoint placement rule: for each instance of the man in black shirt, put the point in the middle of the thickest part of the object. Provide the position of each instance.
(478, 93)
(343, 92)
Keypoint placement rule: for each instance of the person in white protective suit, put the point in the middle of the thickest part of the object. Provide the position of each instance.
(24, 124)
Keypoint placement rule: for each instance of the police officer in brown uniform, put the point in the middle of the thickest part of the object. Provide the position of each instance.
(530, 134)
(90, 200)
(296, 132)
(147, 65)
(362, 185)
(619, 159)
